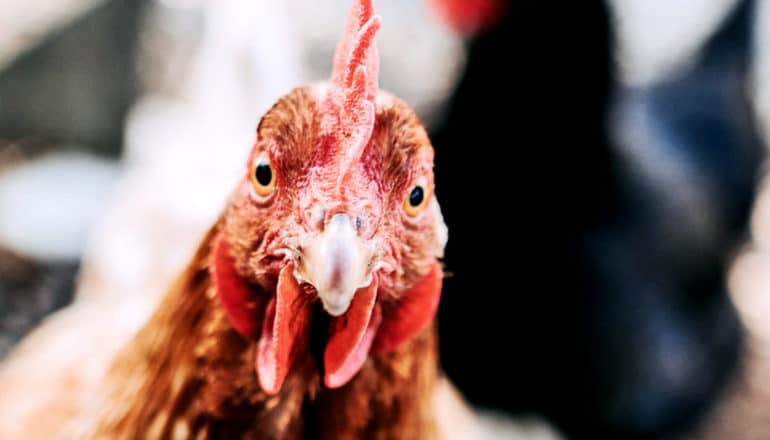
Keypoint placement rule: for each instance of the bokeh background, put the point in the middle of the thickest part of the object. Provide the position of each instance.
(599, 164)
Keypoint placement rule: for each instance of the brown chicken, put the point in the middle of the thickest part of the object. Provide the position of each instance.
(308, 308)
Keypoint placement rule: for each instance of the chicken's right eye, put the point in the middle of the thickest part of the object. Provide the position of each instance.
(263, 176)
(416, 199)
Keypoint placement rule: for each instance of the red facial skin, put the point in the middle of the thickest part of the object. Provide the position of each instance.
(253, 272)
(340, 150)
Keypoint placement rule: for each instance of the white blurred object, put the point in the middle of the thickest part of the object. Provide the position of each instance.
(657, 37)
(59, 368)
(456, 420)
(186, 150)
(24, 24)
(48, 206)
(498, 426)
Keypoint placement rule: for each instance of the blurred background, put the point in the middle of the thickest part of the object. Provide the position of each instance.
(598, 163)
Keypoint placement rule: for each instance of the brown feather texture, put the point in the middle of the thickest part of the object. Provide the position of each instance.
(189, 374)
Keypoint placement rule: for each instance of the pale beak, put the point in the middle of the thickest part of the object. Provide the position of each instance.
(336, 262)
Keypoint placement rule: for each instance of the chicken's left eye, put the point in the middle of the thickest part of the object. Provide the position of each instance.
(263, 177)
(416, 199)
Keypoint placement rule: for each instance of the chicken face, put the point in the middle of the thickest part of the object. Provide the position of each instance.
(335, 215)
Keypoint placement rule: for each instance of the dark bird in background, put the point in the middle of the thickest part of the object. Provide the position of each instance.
(608, 310)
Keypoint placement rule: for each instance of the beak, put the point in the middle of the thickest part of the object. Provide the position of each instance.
(337, 263)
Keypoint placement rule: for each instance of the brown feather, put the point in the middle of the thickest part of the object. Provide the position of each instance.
(189, 374)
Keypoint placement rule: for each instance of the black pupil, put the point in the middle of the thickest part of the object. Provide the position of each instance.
(264, 174)
(416, 196)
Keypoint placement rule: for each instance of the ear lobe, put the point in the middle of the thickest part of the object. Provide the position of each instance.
(280, 322)
(244, 304)
(413, 313)
(442, 233)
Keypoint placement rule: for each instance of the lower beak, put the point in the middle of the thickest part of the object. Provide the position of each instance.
(337, 263)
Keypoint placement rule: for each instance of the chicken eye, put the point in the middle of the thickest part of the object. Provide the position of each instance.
(416, 200)
(263, 177)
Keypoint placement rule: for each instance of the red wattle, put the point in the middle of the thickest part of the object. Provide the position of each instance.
(415, 310)
(282, 322)
(351, 336)
(284, 332)
(243, 303)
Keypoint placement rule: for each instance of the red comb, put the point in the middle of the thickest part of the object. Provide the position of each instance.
(353, 86)
(356, 48)
(470, 16)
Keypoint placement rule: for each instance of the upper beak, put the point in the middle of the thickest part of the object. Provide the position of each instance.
(336, 262)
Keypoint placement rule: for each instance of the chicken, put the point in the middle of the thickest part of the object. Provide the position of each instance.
(336, 205)
(309, 306)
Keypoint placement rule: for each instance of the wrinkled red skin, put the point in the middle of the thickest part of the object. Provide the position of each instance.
(284, 332)
(351, 337)
(414, 311)
(281, 322)
(244, 304)
(254, 276)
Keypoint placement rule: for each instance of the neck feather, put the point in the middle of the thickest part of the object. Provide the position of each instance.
(189, 374)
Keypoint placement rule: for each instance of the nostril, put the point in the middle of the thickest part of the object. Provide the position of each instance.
(358, 224)
(339, 220)
(314, 217)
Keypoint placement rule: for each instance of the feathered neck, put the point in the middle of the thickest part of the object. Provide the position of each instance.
(189, 374)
